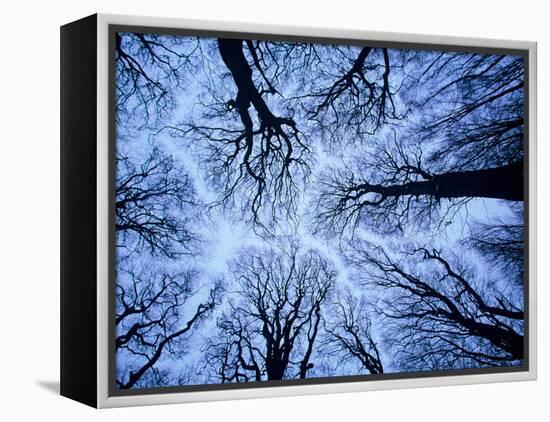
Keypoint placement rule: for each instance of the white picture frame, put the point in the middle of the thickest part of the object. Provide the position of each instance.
(103, 366)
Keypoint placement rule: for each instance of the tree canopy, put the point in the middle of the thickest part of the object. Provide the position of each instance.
(290, 210)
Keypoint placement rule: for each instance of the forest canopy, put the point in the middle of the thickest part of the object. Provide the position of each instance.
(292, 210)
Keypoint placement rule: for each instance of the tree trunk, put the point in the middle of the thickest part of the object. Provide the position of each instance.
(507, 340)
(275, 369)
(233, 57)
(505, 182)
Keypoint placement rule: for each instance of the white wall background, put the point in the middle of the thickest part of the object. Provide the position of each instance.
(29, 208)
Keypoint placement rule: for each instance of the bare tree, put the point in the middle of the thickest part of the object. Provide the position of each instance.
(465, 140)
(502, 244)
(441, 315)
(398, 187)
(253, 153)
(350, 335)
(350, 90)
(269, 331)
(473, 106)
(149, 68)
(154, 205)
(153, 313)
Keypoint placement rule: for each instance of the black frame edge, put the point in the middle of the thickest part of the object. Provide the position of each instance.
(78, 269)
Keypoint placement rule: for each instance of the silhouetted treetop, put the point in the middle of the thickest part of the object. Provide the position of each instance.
(442, 314)
(270, 328)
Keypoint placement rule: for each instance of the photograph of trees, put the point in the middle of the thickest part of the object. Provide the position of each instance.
(293, 210)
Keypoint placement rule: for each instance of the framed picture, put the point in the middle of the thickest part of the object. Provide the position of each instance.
(253, 211)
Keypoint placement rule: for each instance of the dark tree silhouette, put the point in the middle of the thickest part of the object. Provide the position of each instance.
(349, 333)
(439, 315)
(502, 244)
(152, 313)
(473, 107)
(279, 63)
(398, 187)
(468, 143)
(269, 330)
(349, 89)
(154, 203)
(149, 68)
(253, 152)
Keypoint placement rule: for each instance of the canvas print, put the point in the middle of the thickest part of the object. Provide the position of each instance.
(293, 211)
